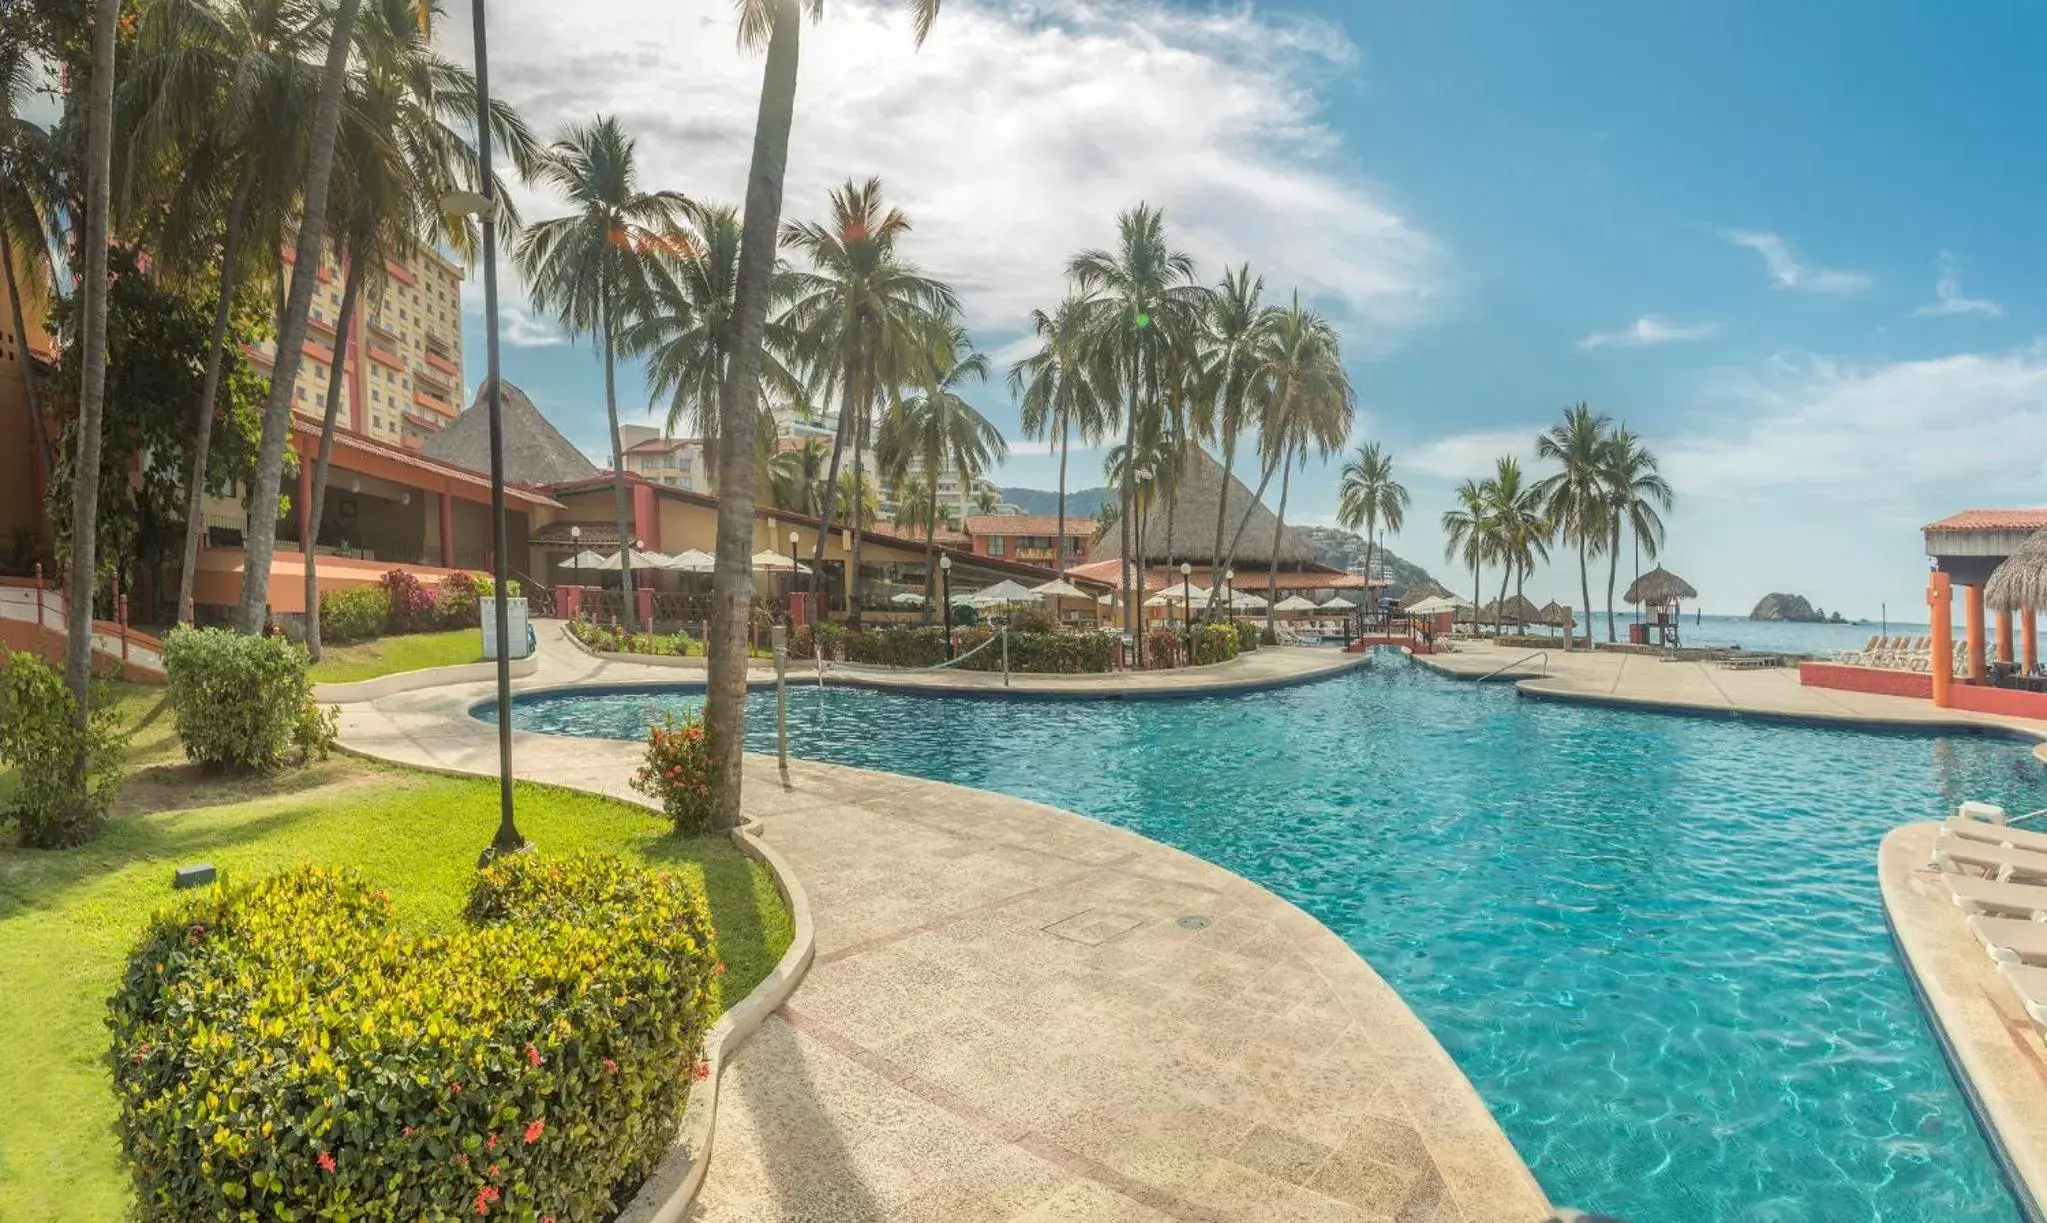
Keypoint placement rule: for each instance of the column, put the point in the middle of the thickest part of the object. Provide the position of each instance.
(2004, 637)
(1940, 605)
(1972, 632)
(2029, 649)
(447, 531)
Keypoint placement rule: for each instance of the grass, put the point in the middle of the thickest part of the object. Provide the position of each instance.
(342, 664)
(67, 918)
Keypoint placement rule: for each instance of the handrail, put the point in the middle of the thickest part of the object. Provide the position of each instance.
(1542, 654)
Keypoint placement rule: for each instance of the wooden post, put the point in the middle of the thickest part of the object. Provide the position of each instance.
(1972, 631)
(2029, 647)
(1940, 603)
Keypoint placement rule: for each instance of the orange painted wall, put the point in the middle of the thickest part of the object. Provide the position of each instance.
(1868, 679)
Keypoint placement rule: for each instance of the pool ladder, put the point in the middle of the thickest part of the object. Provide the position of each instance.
(1542, 654)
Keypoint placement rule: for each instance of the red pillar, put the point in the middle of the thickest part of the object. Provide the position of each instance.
(1940, 603)
(1972, 632)
(447, 531)
(2004, 637)
(646, 517)
(2029, 646)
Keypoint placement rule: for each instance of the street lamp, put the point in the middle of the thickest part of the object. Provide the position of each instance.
(576, 542)
(1187, 606)
(1229, 592)
(945, 597)
(793, 583)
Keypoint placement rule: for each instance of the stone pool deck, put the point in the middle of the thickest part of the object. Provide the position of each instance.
(1019, 1013)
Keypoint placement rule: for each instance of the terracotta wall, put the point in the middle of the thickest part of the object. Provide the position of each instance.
(2007, 701)
(1868, 679)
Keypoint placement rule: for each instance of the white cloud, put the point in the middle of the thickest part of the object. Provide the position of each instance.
(519, 327)
(1948, 299)
(1650, 329)
(1789, 273)
(1012, 137)
(1472, 455)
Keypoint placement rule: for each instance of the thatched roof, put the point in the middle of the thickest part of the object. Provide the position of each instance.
(2021, 581)
(1556, 614)
(1201, 485)
(1659, 585)
(535, 451)
(1518, 609)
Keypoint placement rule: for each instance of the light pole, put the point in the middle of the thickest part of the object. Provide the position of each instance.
(1230, 594)
(1187, 606)
(794, 585)
(945, 597)
(576, 542)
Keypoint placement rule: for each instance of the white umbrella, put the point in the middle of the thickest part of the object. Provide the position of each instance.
(638, 560)
(585, 559)
(1339, 603)
(1060, 588)
(904, 598)
(1294, 603)
(1243, 600)
(693, 560)
(1179, 593)
(775, 562)
(1006, 591)
(1437, 606)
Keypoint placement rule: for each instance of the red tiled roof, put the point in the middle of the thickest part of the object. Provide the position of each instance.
(662, 445)
(1028, 524)
(1992, 520)
(1253, 580)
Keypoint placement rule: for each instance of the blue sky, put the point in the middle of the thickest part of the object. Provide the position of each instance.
(1797, 248)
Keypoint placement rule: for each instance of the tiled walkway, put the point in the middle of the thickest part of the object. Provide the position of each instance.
(1018, 1013)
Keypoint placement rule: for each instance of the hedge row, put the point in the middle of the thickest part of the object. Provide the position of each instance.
(281, 1050)
(401, 603)
(895, 646)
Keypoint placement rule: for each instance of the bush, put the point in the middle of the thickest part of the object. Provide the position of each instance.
(456, 602)
(1247, 636)
(282, 1051)
(965, 614)
(243, 704)
(39, 739)
(353, 615)
(1214, 643)
(1163, 647)
(1267, 637)
(680, 772)
(610, 639)
(1047, 653)
(899, 647)
(1033, 620)
(412, 607)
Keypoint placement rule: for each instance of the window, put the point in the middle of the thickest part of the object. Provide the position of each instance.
(376, 396)
(995, 543)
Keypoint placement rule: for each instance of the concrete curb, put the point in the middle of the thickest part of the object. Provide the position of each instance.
(425, 677)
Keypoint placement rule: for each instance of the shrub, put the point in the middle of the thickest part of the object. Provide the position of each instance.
(457, 600)
(1267, 637)
(610, 639)
(680, 772)
(1047, 653)
(1033, 620)
(965, 614)
(412, 605)
(40, 740)
(1214, 643)
(353, 615)
(282, 1051)
(243, 703)
(1163, 646)
(897, 646)
(1247, 636)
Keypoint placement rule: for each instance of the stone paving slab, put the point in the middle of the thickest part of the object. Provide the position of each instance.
(1009, 1019)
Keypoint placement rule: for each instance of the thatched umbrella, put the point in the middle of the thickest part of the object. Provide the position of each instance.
(2021, 581)
(1659, 585)
(1521, 610)
(1556, 615)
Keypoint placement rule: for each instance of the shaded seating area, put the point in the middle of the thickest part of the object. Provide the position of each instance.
(1659, 595)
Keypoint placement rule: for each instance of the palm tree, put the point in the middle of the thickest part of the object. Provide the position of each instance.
(1636, 491)
(776, 25)
(1465, 533)
(1236, 323)
(1575, 498)
(847, 493)
(1516, 529)
(986, 499)
(28, 190)
(1056, 394)
(259, 540)
(592, 267)
(1141, 295)
(1312, 408)
(1135, 465)
(936, 429)
(795, 476)
(1367, 495)
(861, 318)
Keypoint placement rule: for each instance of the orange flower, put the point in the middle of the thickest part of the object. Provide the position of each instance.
(534, 1129)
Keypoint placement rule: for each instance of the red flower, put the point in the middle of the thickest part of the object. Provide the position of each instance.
(455, 1089)
(533, 1054)
(326, 1162)
(493, 1170)
(610, 1067)
(718, 969)
(534, 1129)
(491, 1143)
(484, 1197)
(407, 1131)
(703, 1071)
(694, 733)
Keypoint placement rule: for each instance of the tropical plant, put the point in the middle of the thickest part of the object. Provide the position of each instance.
(935, 429)
(850, 492)
(1235, 325)
(259, 541)
(1135, 464)
(28, 205)
(1466, 532)
(1635, 491)
(678, 772)
(1516, 529)
(987, 500)
(1576, 498)
(41, 742)
(795, 476)
(1056, 393)
(242, 704)
(592, 267)
(1309, 407)
(1367, 495)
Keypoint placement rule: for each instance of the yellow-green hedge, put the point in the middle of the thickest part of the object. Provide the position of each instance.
(282, 1051)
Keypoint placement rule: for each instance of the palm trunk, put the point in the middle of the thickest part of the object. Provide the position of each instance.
(32, 394)
(930, 548)
(856, 514)
(1613, 565)
(1520, 574)
(830, 498)
(343, 324)
(620, 510)
(1474, 601)
(738, 403)
(1500, 608)
(1128, 495)
(1222, 502)
(1286, 482)
(202, 411)
(1585, 588)
(1059, 544)
(1371, 529)
(1264, 482)
(260, 540)
(85, 474)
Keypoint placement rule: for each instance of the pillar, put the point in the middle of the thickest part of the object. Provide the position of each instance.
(2029, 649)
(2004, 637)
(646, 517)
(447, 531)
(1972, 632)
(1940, 605)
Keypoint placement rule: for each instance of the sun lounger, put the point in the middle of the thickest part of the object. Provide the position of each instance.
(2011, 940)
(1996, 834)
(1988, 897)
(2030, 984)
(1999, 862)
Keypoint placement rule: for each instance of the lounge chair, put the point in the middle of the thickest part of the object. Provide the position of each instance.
(1857, 657)
(1999, 862)
(1996, 834)
(1988, 897)
(2030, 984)
(2011, 940)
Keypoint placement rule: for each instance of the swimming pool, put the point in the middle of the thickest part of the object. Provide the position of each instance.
(1653, 943)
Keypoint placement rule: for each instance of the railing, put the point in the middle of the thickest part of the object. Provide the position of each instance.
(1542, 654)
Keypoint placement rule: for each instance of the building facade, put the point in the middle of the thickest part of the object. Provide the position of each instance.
(1031, 538)
(678, 462)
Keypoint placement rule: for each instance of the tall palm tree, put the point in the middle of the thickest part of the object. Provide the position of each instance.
(1142, 294)
(28, 192)
(861, 318)
(935, 429)
(1575, 498)
(1635, 491)
(1056, 393)
(1367, 495)
(847, 493)
(795, 476)
(1515, 527)
(259, 540)
(1136, 464)
(1312, 409)
(775, 25)
(591, 268)
(1466, 531)
(987, 500)
(1236, 324)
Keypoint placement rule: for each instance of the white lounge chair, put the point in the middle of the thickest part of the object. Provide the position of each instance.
(1988, 897)
(1999, 862)
(2030, 984)
(1995, 834)
(2011, 940)
(1858, 657)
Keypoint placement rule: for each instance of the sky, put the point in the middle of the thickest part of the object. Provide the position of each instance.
(1796, 248)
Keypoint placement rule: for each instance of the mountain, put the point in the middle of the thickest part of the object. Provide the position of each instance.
(1080, 503)
(1346, 550)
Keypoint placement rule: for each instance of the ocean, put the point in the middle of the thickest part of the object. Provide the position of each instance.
(1771, 635)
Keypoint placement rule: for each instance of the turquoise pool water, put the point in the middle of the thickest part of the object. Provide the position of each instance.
(1654, 943)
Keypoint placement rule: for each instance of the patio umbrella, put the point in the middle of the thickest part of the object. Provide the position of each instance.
(693, 560)
(1243, 600)
(636, 559)
(775, 562)
(1006, 591)
(1556, 615)
(2020, 581)
(1339, 603)
(1180, 593)
(585, 559)
(1060, 588)
(1294, 603)
(1659, 585)
(1520, 609)
(904, 598)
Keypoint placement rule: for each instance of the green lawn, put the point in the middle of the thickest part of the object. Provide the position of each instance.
(67, 919)
(341, 664)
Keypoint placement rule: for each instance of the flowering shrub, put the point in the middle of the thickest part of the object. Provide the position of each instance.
(1163, 647)
(412, 607)
(1214, 643)
(456, 602)
(356, 614)
(830, 637)
(39, 740)
(281, 1050)
(243, 704)
(610, 639)
(679, 771)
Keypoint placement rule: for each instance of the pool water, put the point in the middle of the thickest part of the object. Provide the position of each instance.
(1654, 943)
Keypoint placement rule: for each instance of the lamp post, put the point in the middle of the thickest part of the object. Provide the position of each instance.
(576, 542)
(1229, 593)
(794, 585)
(945, 597)
(1187, 606)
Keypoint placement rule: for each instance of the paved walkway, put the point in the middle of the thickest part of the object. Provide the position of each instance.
(1622, 678)
(1019, 1013)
